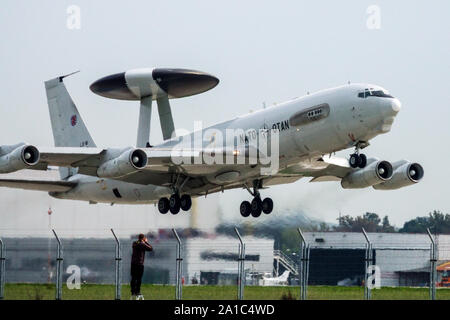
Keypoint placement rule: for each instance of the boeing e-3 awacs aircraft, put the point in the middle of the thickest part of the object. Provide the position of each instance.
(308, 130)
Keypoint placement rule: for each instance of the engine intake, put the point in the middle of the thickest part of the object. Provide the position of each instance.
(373, 174)
(30, 155)
(128, 162)
(405, 175)
(18, 157)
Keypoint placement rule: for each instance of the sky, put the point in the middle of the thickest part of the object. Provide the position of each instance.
(262, 52)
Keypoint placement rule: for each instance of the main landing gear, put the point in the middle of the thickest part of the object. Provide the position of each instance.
(175, 203)
(257, 206)
(357, 160)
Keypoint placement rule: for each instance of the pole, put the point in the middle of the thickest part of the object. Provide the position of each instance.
(433, 260)
(179, 266)
(367, 264)
(2, 269)
(118, 268)
(303, 265)
(59, 265)
(241, 270)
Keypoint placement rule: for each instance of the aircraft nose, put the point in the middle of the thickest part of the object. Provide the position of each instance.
(391, 107)
(396, 105)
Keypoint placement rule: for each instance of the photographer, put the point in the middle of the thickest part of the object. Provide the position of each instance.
(137, 265)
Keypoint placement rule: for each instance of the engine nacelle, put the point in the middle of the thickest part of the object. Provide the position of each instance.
(405, 175)
(18, 157)
(374, 173)
(128, 162)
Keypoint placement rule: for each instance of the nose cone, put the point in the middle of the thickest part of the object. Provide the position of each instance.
(396, 105)
(390, 107)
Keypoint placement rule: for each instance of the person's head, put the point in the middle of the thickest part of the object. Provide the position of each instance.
(141, 237)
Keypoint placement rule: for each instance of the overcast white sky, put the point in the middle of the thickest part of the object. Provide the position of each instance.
(262, 51)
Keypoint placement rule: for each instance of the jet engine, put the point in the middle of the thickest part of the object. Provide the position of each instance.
(374, 173)
(18, 157)
(405, 174)
(128, 162)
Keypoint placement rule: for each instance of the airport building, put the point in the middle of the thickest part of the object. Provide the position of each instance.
(403, 259)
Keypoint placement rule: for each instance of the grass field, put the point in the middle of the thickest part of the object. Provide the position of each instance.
(162, 292)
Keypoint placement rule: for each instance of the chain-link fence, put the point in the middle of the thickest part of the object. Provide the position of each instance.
(201, 264)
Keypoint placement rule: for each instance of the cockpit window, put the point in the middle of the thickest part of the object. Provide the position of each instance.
(374, 93)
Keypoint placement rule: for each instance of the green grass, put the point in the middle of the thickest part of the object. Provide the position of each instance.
(162, 292)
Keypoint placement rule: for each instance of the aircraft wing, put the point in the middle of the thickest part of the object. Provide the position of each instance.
(79, 157)
(159, 160)
(163, 163)
(67, 156)
(35, 180)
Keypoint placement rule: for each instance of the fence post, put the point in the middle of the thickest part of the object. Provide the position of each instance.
(2, 269)
(433, 260)
(303, 265)
(368, 262)
(118, 269)
(241, 270)
(59, 265)
(179, 268)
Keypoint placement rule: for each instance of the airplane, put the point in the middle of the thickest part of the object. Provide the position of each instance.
(303, 134)
(277, 281)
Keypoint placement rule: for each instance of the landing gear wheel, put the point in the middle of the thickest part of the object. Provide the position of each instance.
(256, 207)
(354, 160)
(362, 160)
(267, 205)
(174, 204)
(245, 208)
(163, 205)
(185, 202)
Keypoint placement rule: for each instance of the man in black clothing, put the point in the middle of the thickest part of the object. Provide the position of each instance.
(137, 265)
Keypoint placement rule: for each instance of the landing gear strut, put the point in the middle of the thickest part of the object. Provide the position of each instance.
(357, 160)
(257, 206)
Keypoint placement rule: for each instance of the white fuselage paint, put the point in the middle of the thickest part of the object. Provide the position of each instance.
(350, 119)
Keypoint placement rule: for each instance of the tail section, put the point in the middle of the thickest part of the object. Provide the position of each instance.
(284, 276)
(68, 127)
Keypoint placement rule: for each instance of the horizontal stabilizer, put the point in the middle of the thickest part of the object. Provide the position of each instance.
(35, 180)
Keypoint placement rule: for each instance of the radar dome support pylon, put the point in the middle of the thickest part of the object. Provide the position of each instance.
(145, 117)
(165, 118)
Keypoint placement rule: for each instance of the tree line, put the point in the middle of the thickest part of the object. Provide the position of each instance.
(286, 236)
(436, 221)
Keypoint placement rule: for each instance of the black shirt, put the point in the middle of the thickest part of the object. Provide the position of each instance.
(139, 249)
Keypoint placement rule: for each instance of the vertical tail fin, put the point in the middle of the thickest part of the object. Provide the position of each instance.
(68, 127)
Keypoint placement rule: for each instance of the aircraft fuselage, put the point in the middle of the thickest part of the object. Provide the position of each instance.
(309, 127)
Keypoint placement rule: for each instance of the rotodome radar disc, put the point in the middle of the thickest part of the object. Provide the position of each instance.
(140, 83)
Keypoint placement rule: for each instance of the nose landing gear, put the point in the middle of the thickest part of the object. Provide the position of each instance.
(358, 160)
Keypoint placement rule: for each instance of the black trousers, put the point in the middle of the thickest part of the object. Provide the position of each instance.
(137, 271)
